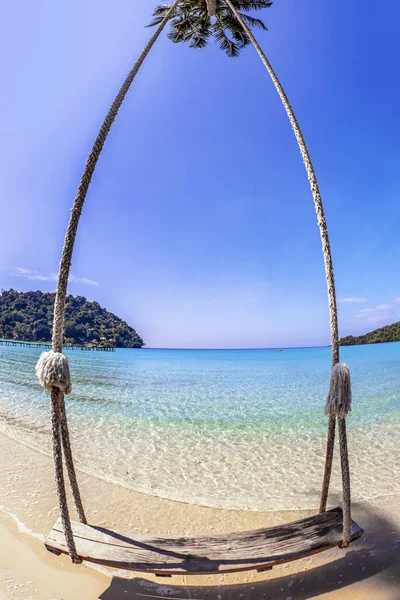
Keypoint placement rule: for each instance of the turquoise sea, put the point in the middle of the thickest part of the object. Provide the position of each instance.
(223, 428)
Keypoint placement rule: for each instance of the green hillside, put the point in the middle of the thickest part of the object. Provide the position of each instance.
(389, 333)
(28, 316)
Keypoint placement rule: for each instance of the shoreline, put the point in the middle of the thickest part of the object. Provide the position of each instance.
(372, 563)
(306, 511)
(240, 433)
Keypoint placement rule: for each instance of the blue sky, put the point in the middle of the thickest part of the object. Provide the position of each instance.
(199, 228)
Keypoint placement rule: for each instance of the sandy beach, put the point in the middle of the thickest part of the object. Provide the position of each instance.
(370, 568)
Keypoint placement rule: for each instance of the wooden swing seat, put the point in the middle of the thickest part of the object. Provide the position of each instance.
(260, 549)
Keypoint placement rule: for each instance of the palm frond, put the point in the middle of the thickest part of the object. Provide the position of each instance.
(198, 41)
(242, 38)
(181, 30)
(201, 34)
(228, 46)
(191, 24)
(253, 22)
(155, 21)
(251, 4)
(160, 12)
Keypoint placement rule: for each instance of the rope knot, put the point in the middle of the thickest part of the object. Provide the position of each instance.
(52, 370)
(338, 402)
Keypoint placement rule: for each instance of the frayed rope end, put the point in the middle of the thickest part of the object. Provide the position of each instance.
(338, 402)
(52, 370)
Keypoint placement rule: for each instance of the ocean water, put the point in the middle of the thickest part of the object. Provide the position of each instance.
(242, 429)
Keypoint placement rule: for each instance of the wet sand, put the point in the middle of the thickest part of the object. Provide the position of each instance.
(370, 568)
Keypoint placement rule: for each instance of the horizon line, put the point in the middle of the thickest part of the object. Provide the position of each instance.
(234, 349)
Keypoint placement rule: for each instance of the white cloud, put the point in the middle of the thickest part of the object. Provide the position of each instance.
(33, 275)
(84, 280)
(37, 276)
(22, 271)
(384, 306)
(380, 315)
(354, 300)
(381, 318)
(397, 299)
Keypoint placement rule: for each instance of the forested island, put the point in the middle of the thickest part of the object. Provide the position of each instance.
(389, 333)
(28, 316)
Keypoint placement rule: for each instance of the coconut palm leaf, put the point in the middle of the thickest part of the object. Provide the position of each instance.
(191, 24)
(251, 4)
(252, 22)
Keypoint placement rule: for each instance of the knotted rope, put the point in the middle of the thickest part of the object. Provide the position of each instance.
(53, 373)
(338, 405)
(52, 368)
(338, 402)
(56, 399)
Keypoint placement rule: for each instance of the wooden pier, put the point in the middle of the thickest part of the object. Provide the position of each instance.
(43, 345)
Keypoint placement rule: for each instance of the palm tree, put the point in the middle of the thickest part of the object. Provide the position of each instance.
(190, 22)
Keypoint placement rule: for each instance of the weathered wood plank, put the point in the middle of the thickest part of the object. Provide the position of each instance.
(258, 549)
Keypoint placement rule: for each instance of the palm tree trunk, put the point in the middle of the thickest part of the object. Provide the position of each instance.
(59, 306)
(211, 7)
(314, 188)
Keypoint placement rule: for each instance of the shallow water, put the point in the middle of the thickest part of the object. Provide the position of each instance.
(224, 428)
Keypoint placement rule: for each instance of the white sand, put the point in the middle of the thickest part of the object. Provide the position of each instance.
(369, 569)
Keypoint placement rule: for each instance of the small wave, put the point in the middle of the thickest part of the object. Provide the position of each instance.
(231, 430)
(22, 527)
(19, 424)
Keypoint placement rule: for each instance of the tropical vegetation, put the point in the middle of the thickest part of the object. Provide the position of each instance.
(389, 333)
(190, 23)
(28, 316)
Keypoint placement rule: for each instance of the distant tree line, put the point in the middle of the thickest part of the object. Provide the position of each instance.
(389, 333)
(28, 316)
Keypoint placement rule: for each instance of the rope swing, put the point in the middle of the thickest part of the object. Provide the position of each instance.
(260, 549)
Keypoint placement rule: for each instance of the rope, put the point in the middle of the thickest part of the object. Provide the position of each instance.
(330, 278)
(330, 281)
(59, 420)
(338, 404)
(59, 306)
(338, 401)
(344, 461)
(56, 399)
(330, 446)
(69, 462)
(50, 371)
